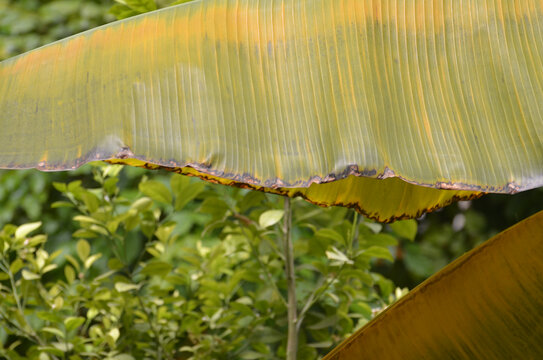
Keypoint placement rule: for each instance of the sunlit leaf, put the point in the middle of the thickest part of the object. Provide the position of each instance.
(28, 275)
(123, 287)
(270, 217)
(25, 229)
(286, 94)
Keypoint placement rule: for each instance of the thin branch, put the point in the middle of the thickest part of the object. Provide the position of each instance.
(264, 268)
(153, 329)
(292, 340)
(318, 292)
(315, 296)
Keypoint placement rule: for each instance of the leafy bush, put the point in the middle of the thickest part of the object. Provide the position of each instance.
(185, 270)
(27, 24)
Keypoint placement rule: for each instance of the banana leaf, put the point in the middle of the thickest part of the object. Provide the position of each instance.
(488, 304)
(392, 107)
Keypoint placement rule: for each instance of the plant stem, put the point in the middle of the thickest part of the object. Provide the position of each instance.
(315, 296)
(263, 267)
(292, 341)
(26, 328)
(153, 329)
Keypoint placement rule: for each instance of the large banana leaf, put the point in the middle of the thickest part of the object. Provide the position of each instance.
(488, 304)
(285, 94)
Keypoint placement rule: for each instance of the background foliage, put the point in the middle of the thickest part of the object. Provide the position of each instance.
(177, 268)
(127, 264)
(27, 24)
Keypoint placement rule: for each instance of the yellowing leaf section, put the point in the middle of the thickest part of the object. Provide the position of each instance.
(383, 200)
(488, 304)
(290, 93)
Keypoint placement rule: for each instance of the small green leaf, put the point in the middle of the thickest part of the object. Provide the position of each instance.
(381, 239)
(156, 191)
(115, 264)
(60, 204)
(64, 347)
(110, 185)
(164, 231)
(123, 357)
(73, 186)
(52, 350)
(184, 190)
(84, 233)
(215, 207)
(270, 218)
(86, 219)
(177, 2)
(37, 240)
(123, 287)
(323, 344)
(16, 266)
(406, 229)
(48, 268)
(374, 227)
(60, 187)
(122, 11)
(338, 256)
(141, 6)
(73, 322)
(88, 263)
(362, 308)
(324, 323)
(331, 235)
(142, 204)
(25, 229)
(27, 275)
(73, 261)
(69, 273)
(90, 200)
(158, 268)
(378, 252)
(83, 249)
(114, 334)
(53, 331)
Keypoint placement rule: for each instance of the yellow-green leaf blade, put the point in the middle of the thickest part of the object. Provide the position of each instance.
(485, 305)
(383, 200)
(284, 94)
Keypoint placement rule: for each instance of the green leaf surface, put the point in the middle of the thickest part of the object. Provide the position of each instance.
(124, 287)
(270, 218)
(157, 268)
(156, 191)
(73, 322)
(83, 249)
(25, 229)
(406, 229)
(28, 275)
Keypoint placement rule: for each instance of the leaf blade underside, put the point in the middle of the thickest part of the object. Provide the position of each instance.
(289, 93)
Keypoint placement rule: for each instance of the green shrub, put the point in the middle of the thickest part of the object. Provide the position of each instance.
(185, 270)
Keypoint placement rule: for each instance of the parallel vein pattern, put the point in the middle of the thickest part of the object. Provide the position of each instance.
(286, 93)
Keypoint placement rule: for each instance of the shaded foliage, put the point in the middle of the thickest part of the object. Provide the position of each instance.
(27, 24)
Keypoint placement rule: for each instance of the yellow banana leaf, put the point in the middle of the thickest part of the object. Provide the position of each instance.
(282, 95)
(488, 304)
